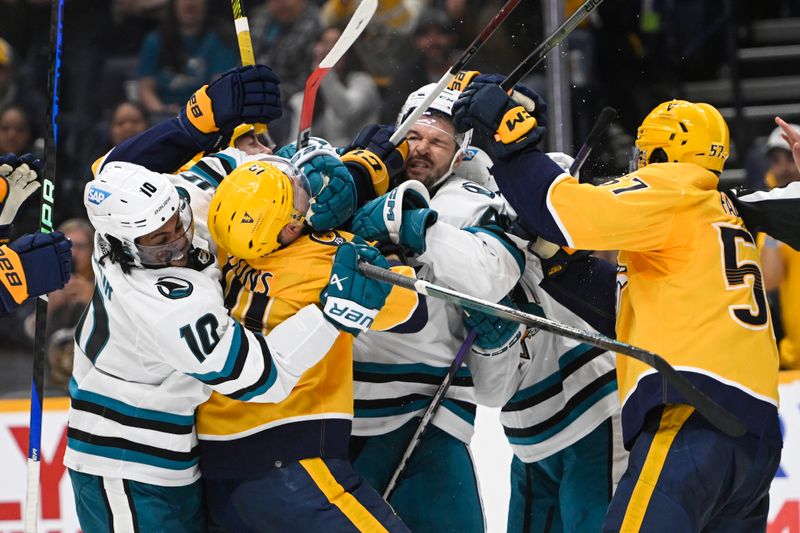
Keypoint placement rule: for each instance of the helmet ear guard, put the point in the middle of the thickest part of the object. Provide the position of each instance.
(684, 132)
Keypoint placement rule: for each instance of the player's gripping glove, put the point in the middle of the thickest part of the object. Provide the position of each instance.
(494, 335)
(401, 216)
(333, 190)
(34, 264)
(508, 124)
(18, 180)
(351, 301)
(242, 95)
(375, 160)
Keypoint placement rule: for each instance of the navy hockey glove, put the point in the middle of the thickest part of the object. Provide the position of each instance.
(34, 264)
(242, 95)
(18, 181)
(332, 187)
(401, 216)
(351, 301)
(494, 335)
(508, 124)
(375, 160)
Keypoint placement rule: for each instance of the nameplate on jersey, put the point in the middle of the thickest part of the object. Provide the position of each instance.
(174, 288)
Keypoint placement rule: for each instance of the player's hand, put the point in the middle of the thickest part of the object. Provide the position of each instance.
(791, 136)
(507, 123)
(400, 216)
(18, 181)
(35, 264)
(351, 301)
(373, 157)
(494, 335)
(241, 95)
(333, 190)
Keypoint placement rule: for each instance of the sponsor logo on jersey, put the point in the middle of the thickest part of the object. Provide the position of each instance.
(97, 195)
(174, 288)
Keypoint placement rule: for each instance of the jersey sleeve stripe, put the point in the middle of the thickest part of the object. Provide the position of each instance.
(228, 163)
(237, 353)
(265, 381)
(554, 213)
(515, 252)
(126, 450)
(205, 172)
(126, 409)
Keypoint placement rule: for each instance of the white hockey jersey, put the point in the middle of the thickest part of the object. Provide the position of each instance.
(396, 374)
(150, 348)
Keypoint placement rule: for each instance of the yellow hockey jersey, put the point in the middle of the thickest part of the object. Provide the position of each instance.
(689, 287)
(315, 419)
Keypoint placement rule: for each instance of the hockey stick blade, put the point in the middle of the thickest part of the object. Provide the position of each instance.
(462, 60)
(708, 408)
(607, 116)
(436, 401)
(560, 33)
(361, 17)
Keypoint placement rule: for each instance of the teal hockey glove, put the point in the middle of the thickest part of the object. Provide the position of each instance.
(401, 216)
(351, 301)
(332, 187)
(495, 335)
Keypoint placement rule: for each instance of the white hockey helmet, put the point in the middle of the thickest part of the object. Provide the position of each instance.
(442, 106)
(126, 201)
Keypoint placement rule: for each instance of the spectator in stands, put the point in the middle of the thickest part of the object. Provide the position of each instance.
(781, 264)
(347, 99)
(16, 132)
(282, 33)
(433, 43)
(181, 56)
(383, 47)
(16, 89)
(127, 120)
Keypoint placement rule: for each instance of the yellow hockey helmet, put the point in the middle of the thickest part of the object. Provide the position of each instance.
(686, 132)
(241, 129)
(253, 204)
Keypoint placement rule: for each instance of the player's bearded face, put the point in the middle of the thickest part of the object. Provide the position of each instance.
(432, 146)
(168, 245)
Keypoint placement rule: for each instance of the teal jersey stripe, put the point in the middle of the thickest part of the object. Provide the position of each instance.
(120, 454)
(230, 361)
(415, 405)
(585, 405)
(231, 161)
(205, 176)
(273, 376)
(515, 252)
(409, 368)
(567, 358)
(127, 409)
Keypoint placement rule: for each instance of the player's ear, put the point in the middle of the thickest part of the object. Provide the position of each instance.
(459, 159)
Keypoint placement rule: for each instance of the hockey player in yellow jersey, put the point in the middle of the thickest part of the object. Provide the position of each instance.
(690, 288)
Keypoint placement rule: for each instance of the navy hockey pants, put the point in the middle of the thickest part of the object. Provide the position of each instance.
(686, 476)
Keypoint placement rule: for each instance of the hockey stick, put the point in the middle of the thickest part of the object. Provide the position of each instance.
(358, 22)
(708, 408)
(436, 401)
(607, 115)
(561, 33)
(45, 226)
(462, 60)
(245, 45)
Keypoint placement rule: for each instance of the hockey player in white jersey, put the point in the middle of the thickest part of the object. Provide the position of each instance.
(451, 240)
(557, 395)
(154, 343)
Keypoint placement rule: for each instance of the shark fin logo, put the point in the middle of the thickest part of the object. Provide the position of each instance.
(174, 288)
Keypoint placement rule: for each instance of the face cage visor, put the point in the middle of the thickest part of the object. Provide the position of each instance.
(161, 255)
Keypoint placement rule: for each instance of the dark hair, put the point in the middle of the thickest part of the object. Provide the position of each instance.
(172, 55)
(116, 254)
(139, 107)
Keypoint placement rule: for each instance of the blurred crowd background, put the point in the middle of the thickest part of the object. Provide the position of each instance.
(128, 64)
